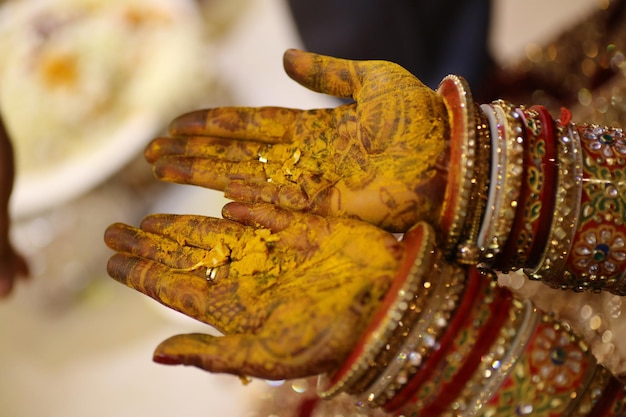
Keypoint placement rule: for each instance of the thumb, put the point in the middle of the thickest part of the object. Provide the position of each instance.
(342, 77)
(323, 74)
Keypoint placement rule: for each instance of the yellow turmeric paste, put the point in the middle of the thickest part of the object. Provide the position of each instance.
(269, 280)
(381, 159)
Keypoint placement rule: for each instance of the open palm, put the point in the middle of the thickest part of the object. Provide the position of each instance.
(291, 292)
(379, 158)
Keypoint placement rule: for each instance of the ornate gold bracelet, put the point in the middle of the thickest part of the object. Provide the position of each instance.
(468, 252)
(506, 206)
(567, 208)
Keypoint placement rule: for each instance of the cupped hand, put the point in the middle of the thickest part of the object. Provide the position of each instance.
(291, 292)
(379, 159)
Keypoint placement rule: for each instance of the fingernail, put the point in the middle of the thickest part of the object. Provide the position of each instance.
(154, 150)
(164, 359)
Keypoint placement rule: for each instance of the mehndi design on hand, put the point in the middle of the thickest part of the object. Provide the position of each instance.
(291, 291)
(380, 159)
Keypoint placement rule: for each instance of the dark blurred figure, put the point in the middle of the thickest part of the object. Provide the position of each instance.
(583, 68)
(12, 265)
(429, 38)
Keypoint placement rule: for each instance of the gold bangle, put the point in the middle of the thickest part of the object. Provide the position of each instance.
(593, 392)
(496, 178)
(421, 340)
(416, 308)
(468, 252)
(567, 208)
(506, 207)
(534, 381)
(407, 287)
(496, 365)
(597, 259)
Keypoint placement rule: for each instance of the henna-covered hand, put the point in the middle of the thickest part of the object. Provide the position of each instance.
(378, 159)
(290, 291)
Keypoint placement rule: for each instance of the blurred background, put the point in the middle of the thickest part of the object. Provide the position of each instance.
(72, 341)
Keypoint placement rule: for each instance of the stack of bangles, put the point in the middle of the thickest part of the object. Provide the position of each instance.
(525, 192)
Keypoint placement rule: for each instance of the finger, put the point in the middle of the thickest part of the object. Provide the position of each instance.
(12, 267)
(213, 300)
(262, 124)
(192, 230)
(294, 227)
(325, 74)
(130, 240)
(210, 173)
(262, 215)
(242, 355)
(283, 348)
(181, 291)
(315, 196)
(227, 149)
(285, 195)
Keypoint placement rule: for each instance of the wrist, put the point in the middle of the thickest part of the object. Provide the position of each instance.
(403, 302)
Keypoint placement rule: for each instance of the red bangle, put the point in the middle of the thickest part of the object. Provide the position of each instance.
(541, 217)
(612, 401)
(554, 368)
(458, 100)
(472, 334)
(426, 340)
(428, 367)
(598, 256)
(536, 196)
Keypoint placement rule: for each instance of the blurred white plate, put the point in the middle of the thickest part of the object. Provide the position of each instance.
(86, 84)
(36, 192)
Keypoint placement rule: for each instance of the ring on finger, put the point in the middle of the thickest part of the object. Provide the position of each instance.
(211, 273)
